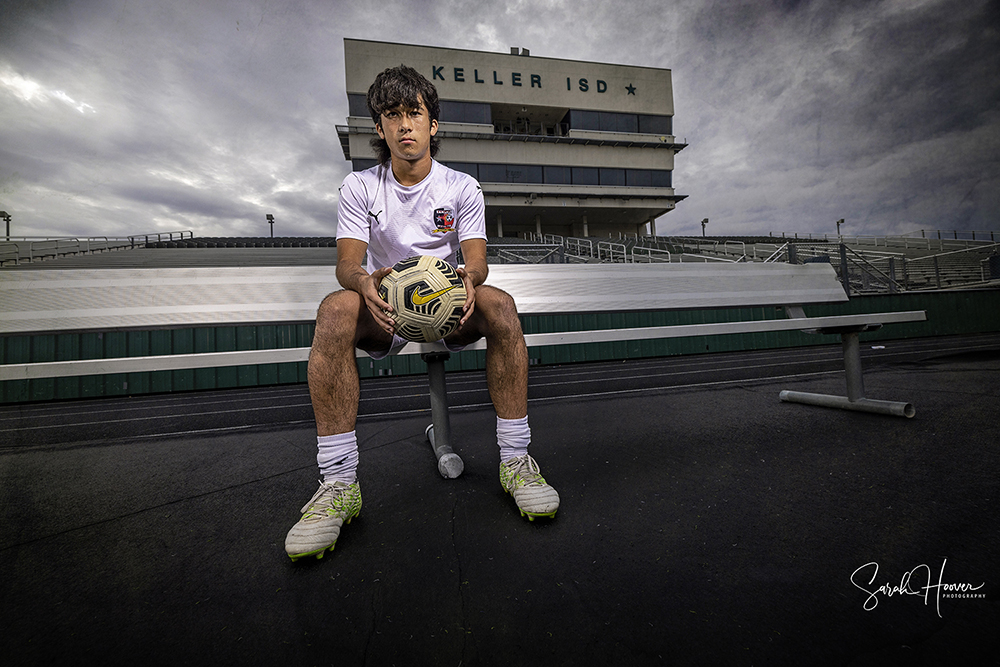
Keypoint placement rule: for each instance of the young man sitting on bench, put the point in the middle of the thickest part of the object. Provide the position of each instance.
(388, 212)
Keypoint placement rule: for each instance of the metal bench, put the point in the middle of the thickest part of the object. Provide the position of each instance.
(47, 301)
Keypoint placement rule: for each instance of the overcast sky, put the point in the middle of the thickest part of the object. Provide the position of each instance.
(131, 116)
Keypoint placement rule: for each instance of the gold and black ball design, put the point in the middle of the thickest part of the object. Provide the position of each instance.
(426, 295)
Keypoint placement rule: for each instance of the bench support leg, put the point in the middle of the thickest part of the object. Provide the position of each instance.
(852, 366)
(450, 464)
(855, 399)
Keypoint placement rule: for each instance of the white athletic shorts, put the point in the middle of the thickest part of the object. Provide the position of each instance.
(398, 343)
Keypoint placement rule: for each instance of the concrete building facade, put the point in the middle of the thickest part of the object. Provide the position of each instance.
(562, 147)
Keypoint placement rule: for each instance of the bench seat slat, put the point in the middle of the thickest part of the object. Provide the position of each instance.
(42, 301)
(297, 354)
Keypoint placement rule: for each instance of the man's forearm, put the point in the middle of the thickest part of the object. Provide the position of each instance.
(351, 275)
(478, 276)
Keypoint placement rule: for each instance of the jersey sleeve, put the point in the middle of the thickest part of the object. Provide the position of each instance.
(471, 215)
(352, 210)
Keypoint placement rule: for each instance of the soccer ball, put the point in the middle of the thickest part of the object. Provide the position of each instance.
(426, 295)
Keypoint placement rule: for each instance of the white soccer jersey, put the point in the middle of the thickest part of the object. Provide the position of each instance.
(430, 218)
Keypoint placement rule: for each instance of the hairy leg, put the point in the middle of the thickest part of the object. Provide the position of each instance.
(342, 324)
(496, 318)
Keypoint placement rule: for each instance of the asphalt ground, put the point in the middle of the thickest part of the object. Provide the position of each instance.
(703, 522)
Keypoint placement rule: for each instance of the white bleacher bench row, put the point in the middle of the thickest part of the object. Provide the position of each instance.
(48, 301)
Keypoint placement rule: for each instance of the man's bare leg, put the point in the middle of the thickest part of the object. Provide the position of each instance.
(495, 318)
(342, 324)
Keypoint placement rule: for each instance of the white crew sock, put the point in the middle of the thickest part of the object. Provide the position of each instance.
(513, 436)
(338, 457)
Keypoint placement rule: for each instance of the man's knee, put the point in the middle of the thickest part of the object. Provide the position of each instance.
(337, 317)
(499, 310)
(338, 308)
(495, 303)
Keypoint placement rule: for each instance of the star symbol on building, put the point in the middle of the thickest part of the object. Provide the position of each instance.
(630, 88)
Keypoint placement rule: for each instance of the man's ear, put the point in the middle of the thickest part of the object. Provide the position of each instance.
(378, 128)
(434, 127)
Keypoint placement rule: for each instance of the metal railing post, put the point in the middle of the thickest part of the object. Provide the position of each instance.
(844, 277)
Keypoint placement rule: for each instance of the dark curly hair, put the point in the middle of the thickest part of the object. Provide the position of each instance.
(400, 86)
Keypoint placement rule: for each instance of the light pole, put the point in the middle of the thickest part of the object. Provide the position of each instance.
(703, 223)
(839, 223)
(5, 216)
(270, 220)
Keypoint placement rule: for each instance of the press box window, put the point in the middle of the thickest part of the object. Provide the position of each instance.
(586, 176)
(557, 175)
(612, 176)
(470, 168)
(360, 164)
(662, 125)
(357, 105)
(466, 112)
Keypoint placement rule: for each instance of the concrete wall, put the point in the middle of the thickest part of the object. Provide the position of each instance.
(479, 76)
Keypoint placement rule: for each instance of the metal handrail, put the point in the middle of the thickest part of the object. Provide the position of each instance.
(994, 235)
(894, 284)
(612, 249)
(32, 248)
(663, 255)
(580, 245)
(518, 253)
(159, 236)
(776, 254)
(981, 248)
(706, 258)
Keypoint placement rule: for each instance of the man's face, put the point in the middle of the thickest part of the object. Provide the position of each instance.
(407, 131)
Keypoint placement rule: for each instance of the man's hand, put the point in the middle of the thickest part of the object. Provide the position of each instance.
(473, 274)
(376, 306)
(470, 300)
(351, 275)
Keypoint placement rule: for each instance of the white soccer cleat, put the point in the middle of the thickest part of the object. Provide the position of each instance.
(522, 478)
(333, 505)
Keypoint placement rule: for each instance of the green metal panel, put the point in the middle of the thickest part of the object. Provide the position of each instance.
(17, 350)
(225, 341)
(43, 348)
(293, 335)
(204, 341)
(91, 347)
(115, 345)
(246, 339)
(161, 342)
(182, 342)
(138, 343)
(67, 348)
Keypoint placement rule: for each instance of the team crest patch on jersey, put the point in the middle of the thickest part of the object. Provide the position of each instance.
(444, 220)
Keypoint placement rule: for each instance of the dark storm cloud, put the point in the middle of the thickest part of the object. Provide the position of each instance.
(874, 112)
(183, 200)
(209, 115)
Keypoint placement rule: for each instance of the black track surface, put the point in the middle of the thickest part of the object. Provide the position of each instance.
(703, 522)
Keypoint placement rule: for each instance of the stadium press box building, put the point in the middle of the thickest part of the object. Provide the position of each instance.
(562, 147)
